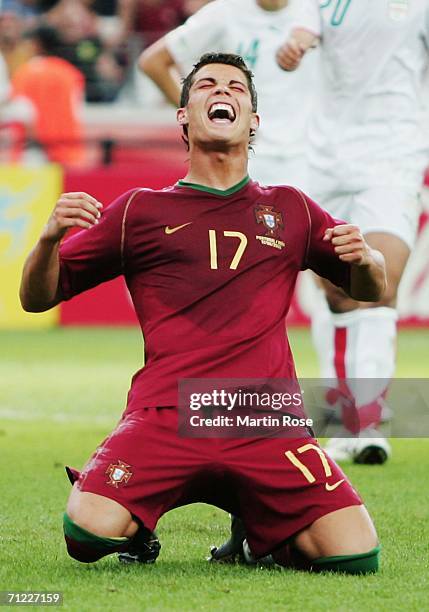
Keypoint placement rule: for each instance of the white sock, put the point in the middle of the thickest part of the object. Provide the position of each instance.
(322, 333)
(365, 348)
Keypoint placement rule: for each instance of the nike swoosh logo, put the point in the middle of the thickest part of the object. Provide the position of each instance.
(170, 230)
(329, 487)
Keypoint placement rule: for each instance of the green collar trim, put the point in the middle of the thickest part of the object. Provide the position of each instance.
(212, 190)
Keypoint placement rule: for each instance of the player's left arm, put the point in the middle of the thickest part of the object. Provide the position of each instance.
(367, 267)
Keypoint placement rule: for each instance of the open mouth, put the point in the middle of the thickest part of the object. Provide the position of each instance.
(220, 112)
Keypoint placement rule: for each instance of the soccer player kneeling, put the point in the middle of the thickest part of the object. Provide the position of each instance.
(211, 264)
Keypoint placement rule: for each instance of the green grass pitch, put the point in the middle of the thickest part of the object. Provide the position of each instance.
(62, 391)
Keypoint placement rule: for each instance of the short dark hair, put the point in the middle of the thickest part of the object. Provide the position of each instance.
(229, 59)
(46, 5)
(48, 38)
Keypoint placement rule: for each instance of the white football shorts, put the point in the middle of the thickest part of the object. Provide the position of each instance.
(391, 210)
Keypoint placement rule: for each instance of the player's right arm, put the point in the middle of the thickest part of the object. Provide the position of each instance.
(158, 64)
(290, 54)
(39, 289)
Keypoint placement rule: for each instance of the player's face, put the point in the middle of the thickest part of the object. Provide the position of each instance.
(272, 5)
(219, 110)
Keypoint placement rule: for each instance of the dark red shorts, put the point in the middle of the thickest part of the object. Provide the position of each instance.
(277, 486)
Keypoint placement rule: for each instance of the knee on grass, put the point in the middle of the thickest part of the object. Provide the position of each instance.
(359, 563)
(362, 563)
(87, 547)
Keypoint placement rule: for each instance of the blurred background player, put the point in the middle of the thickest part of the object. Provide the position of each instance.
(17, 116)
(55, 88)
(367, 157)
(254, 29)
(94, 43)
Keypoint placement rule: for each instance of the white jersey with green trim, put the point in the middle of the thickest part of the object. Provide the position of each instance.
(242, 26)
(368, 126)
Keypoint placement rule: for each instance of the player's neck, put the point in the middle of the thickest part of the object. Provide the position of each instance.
(216, 170)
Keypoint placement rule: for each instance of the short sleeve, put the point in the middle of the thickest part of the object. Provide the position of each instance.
(320, 255)
(94, 256)
(306, 14)
(202, 32)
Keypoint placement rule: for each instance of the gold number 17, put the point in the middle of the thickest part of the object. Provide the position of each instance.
(238, 254)
(304, 469)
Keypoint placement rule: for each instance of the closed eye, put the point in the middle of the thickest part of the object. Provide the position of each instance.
(205, 83)
(237, 86)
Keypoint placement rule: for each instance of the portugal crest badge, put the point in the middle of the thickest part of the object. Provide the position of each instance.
(118, 474)
(271, 219)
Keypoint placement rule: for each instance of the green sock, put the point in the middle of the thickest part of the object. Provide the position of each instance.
(83, 536)
(364, 563)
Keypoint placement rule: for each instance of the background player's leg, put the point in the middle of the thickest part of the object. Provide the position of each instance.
(322, 331)
(322, 324)
(365, 345)
(95, 526)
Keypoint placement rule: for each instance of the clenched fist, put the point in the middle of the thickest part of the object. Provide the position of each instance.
(349, 244)
(290, 54)
(76, 209)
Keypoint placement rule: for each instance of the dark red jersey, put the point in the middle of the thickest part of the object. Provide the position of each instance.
(211, 274)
